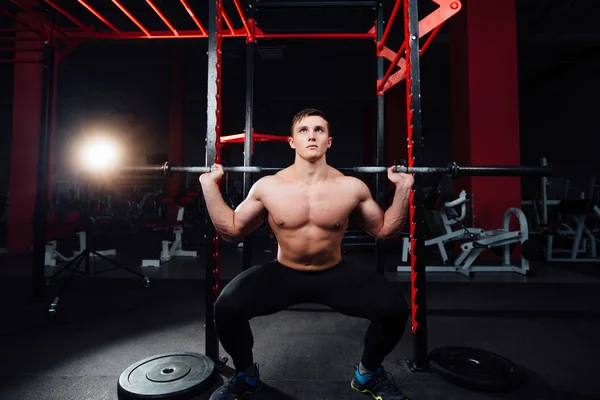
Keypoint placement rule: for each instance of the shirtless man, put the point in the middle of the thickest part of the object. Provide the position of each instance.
(308, 206)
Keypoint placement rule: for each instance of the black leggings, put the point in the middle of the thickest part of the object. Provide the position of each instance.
(267, 289)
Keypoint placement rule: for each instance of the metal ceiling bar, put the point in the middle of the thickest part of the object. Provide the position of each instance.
(162, 17)
(242, 16)
(100, 17)
(33, 29)
(40, 17)
(132, 18)
(193, 16)
(66, 14)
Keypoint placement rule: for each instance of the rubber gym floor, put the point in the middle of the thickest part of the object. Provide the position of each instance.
(547, 324)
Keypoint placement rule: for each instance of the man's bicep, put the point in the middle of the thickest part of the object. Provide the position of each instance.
(250, 214)
(368, 215)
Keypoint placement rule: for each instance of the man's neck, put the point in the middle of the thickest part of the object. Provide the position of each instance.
(310, 172)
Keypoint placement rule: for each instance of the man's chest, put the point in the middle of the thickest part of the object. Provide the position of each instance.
(327, 206)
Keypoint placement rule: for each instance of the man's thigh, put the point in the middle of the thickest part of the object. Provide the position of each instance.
(261, 290)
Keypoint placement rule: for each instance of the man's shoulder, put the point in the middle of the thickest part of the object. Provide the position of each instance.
(267, 182)
(353, 183)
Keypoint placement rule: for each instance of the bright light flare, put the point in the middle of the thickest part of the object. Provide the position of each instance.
(100, 155)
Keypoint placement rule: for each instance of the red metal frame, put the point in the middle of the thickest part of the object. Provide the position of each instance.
(395, 73)
(256, 137)
(162, 17)
(410, 162)
(432, 22)
(40, 18)
(131, 17)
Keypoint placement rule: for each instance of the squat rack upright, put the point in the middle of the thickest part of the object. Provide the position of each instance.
(60, 40)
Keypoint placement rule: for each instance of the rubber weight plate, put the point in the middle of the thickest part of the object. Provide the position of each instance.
(167, 376)
(475, 369)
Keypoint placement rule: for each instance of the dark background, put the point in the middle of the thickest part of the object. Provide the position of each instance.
(124, 85)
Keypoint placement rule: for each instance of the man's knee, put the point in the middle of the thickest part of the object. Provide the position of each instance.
(228, 304)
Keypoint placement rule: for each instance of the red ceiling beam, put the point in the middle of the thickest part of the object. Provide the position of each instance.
(162, 16)
(66, 14)
(243, 17)
(228, 21)
(41, 17)
(33, 29)
(191, 13)
(164, 34)
(132, 18)
(100, 17)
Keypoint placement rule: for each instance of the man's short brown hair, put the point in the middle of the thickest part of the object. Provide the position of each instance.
(307, 112)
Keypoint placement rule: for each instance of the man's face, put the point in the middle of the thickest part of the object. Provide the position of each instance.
(311, 138)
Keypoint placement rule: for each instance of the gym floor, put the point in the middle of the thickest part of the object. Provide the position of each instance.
(548, 324)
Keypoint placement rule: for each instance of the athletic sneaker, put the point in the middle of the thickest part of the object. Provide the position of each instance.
(238, 386)
(379, 385)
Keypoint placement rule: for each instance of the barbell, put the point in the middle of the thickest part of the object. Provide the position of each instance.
(453, 170)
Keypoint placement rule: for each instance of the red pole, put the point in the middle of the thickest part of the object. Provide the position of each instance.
(189, 10)
(390, 23)
(100, 17)
(163, 17)
(131, 17)
(66, 14)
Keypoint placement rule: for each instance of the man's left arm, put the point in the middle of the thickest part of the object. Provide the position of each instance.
(373, 220)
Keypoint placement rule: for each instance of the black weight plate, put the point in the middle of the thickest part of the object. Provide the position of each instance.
(475, 368)
(167, 376)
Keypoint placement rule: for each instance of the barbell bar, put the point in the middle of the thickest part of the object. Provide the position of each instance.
(453, 170)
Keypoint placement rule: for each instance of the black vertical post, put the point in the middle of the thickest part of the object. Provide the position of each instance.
(418, 259)
(250, 44)
(380, 179)
(41, 199)
(212, 155)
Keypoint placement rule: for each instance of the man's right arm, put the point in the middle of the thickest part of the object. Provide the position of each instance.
(230, 224)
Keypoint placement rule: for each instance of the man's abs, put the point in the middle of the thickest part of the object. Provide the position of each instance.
(308, 248)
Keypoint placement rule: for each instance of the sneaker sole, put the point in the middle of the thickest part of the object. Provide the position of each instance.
(366, 391)
(249, 393)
